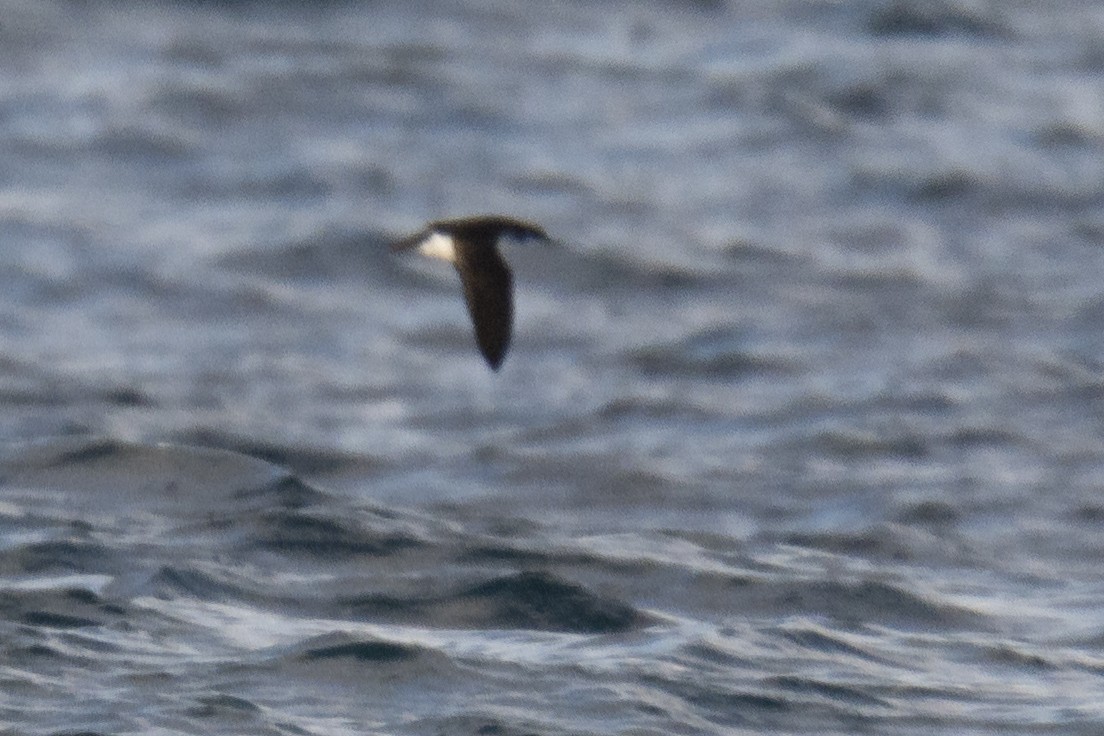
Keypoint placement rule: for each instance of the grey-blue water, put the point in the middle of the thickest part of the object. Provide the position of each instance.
(802, 429)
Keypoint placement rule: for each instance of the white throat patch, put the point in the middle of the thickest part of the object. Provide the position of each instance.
(439, 245)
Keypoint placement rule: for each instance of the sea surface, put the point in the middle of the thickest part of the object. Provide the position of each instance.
(801, 432)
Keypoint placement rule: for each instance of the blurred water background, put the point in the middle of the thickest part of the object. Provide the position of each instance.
(802, 430)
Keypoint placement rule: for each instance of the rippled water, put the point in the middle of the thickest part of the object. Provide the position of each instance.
(802, 429)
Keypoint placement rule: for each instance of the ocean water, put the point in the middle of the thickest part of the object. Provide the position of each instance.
(802, 429)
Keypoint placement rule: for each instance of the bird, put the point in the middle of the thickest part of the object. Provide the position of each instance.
(470, 244)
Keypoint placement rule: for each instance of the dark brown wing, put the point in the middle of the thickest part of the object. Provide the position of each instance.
(489, 292)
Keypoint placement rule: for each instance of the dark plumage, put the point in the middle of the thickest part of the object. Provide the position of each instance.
(471, 245)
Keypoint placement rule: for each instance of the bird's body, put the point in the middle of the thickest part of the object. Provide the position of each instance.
(471, 245)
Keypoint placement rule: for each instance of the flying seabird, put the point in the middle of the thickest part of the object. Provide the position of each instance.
(471, 245)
